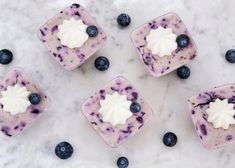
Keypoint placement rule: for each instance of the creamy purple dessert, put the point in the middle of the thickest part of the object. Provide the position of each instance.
(72, 36)
(16, 111)
(164, 44)
(117, 111)
(213, 113)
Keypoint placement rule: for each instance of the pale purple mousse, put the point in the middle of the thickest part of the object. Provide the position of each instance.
(69, 58)
(153, 63)
(116, 135)
(12, 125)
(211, 137)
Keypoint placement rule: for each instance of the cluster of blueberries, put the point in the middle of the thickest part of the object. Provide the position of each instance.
(64, 150)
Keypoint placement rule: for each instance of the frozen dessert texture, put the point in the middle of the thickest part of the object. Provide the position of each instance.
(13, 120)
(157, 47)
(116, 134)
(71, 46)
(212, 113)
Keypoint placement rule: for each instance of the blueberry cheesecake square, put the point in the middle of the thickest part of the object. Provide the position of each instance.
(72, 36)
(117, 111)
(21, 102)
(213, 115)
(164, 44)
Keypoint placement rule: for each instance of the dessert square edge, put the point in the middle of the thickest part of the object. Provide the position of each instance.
(213, 115)
(164, 44)
(133, 112)
(59, 35)
(21, 102)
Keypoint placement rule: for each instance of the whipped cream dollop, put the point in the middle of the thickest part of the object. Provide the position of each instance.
(72, 33)
(161, 41)
(115, 109)
(15, 99)
(221, 113)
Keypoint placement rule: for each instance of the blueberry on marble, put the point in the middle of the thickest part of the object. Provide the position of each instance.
(6, 56)
(135, 107)
(92, 31)
(182, 41)
(170, 139)
(102, 63)
(230, 56)
(183, 72)
(123, 20)
(34, 98)
(122, 162)
(64, 150)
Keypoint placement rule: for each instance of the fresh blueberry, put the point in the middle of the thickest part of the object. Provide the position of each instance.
(122, 162)
(230, 55)
(170, 139)
(92, 31)
(183, 72)
(34, 98)
(182, 41)
(135, 107)
(64, 150)
(123, 20)
(102, 63)
(6, 56)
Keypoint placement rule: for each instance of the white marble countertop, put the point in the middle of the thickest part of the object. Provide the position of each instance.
(212, 25)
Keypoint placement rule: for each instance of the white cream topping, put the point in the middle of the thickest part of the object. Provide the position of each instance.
(161, 41)
(221, 113)
(72, 33)
(15, 99)
(115, 109)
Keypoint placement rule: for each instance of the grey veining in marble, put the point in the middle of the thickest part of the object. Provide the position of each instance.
(212, 25)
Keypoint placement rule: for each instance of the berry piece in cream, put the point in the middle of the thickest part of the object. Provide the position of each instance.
(15, 99)
(115, 109)
(72, 33)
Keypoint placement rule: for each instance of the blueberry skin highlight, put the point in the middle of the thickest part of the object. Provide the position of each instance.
(6, 56)
(64, 150)
(122, 162)
(34, 98)
(135, 107)
(123, 20)
(230, 56)
(182, 41)
(170, 139)
(183, 72)
(102, 63)
(92, 31)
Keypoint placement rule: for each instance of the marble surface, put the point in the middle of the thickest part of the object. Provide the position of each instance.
(212, 25)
